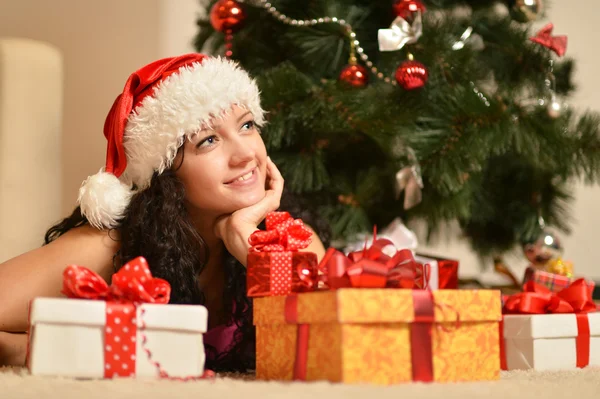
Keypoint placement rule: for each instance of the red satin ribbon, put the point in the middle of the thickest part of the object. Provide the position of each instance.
(303, 332)
(282, 234)
(421, 347)
(582, 342)
(371, 268)
(558, 44)
(132, 283)
(537, 299)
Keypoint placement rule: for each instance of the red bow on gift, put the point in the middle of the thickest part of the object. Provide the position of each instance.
(558, 44)
(283, 234)
(371, 268)
(537, 299)
(132, 283)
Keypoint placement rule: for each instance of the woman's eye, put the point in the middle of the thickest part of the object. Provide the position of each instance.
(248, 125)
(207, 142)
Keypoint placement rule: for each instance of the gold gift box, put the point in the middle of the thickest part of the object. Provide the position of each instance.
(364, 336)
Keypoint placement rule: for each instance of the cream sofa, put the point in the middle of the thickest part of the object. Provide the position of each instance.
(31, 106)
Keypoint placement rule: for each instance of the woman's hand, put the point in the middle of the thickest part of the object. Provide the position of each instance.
(235, 229)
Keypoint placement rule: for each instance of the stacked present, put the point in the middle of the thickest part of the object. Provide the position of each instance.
(123, 330)
(364, 317)
(553, 324)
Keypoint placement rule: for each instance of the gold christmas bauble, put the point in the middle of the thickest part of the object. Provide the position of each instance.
(560, 266)
(527, 10)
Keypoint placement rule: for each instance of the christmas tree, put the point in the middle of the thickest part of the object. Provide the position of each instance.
(439, 110)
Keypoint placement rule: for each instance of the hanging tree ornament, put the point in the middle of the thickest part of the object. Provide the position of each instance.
(353, 74)
(410, 180)
(544, 37)
(407, 8)
(411, 74)
(557, 44)
(527, 10)
(400, 33)
(227, 16)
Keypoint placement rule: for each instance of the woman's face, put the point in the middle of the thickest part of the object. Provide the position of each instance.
(224, 165)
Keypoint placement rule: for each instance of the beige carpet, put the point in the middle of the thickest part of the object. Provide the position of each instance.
(580, 384)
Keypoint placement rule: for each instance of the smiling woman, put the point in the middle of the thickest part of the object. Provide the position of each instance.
(187, 179)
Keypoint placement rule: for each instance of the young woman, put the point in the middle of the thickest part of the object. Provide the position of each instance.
(187, 180)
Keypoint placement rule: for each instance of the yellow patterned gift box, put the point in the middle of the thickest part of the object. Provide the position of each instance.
(379, 336)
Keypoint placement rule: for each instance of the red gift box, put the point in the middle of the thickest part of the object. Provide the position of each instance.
(275, 264)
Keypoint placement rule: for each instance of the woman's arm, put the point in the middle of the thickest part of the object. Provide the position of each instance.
(13, 348)
(39, 272)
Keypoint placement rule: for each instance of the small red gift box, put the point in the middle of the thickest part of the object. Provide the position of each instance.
(275, 266)
(554, 282)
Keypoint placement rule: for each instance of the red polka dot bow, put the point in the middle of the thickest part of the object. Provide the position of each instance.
(132, 283)
(283, 234)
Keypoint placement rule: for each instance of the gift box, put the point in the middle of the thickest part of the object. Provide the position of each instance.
(554, 282)
(551, 341)
(124, 330)
(379, 335)
(542, 330)
(280, 273)
(443, 272)
(275, 266)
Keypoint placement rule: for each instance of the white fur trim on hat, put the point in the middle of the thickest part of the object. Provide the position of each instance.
(103, 199)
(177, 109)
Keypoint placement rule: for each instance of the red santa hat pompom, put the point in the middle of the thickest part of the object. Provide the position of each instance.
(162, 105)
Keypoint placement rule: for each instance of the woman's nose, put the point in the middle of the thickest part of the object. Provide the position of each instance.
(241, 152)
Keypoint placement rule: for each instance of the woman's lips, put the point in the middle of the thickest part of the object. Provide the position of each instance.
(245, 180)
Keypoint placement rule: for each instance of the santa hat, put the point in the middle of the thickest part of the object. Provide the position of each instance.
(162, 104)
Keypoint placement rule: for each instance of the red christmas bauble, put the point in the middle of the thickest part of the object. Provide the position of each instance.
(227, 15)
(406, 8)
(355, 75)
(411, 75)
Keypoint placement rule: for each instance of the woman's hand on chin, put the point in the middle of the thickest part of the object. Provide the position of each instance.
(235, 229)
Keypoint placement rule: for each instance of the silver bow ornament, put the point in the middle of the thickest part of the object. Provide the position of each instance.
(400, 33)
(410, 181)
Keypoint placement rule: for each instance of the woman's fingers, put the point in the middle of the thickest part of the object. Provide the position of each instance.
(275, 178)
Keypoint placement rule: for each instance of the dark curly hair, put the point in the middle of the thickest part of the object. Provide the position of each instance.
(158, 227)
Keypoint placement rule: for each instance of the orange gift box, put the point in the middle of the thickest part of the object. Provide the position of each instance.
(379, 336)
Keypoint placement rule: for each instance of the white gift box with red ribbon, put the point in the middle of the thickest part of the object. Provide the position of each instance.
(545, 330)
(126, 329)
(69, 338)
(551, 341)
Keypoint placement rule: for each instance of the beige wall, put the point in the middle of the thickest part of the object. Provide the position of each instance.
(104, 41)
